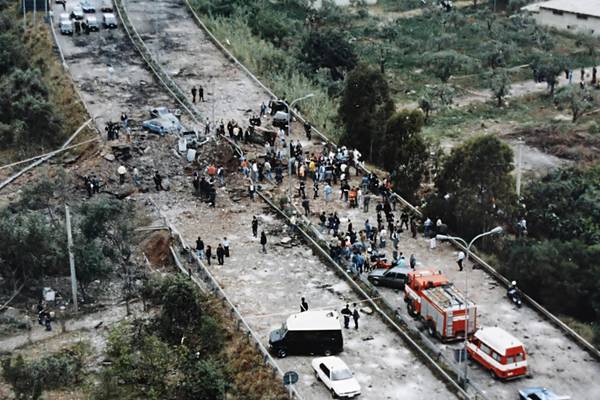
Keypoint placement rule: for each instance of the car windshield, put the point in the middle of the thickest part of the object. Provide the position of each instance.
(341, 374)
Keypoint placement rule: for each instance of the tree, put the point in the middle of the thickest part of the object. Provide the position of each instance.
(500, 85)
(405, 152)
(576, 99)
(90, 262)
(444, 64)
(589, 42)
(364, 109)
(434, 97)
(563, 205)
(497, 54)
(24, 97)
(202, 379)
(328, 49)
(181, 309)
(31, 247)
(474, 189)
(547, 69)
(270, 24)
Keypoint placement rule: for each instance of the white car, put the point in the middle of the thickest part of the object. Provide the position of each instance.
(336, 376)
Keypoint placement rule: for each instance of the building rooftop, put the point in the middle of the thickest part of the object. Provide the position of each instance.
(585, 7)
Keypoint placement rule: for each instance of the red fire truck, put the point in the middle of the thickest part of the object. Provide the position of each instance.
(499, 352)
(432, 298)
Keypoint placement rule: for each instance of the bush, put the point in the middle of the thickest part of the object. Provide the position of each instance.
(30, 378)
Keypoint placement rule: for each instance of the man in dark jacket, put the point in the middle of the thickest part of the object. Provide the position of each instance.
(347, 314)
(263, 241)
(220, 254)
(254, 226)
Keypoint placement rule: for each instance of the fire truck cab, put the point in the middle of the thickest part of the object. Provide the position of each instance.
(432, 298)
(499, 352)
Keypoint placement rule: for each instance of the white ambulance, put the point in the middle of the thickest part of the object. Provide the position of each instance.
(499, 352)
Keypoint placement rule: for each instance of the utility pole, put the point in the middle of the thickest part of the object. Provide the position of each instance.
(34, 11)
(24, 15)
(71, 258)
(519, 165)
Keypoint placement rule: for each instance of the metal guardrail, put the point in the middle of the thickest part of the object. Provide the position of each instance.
(173, 89)
(488, 268)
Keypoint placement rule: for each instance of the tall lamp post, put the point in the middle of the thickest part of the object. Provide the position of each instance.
(497, 230)
(289, 124)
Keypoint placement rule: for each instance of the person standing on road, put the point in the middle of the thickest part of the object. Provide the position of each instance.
(346, 313)
(158, 182)
(355, 316)
(200, 248)
(459, 260)
(306, 206)
(220, 254)
(413, 261)
(328, 190)
(263, 241)
(194, 91)
(226, 246)
(201, 93)
(303, 305)
(208, 254)
(413, 228)
(254, 226)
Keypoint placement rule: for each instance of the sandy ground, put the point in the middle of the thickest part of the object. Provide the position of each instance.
(268, 288)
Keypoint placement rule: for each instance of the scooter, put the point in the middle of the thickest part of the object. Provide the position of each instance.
(515, 296)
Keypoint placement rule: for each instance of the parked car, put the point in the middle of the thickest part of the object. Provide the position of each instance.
(336, 376)
(309, 332)
(394, 277)
(65, 25)
(280, 120)
(87, 6)
(60, 1)
(77, 13)
(92, 23)
(540, 393)
(169, 115)
(106, 6)
(109, 21)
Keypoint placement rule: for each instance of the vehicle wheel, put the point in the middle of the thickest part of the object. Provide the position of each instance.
(281, 353)
(375, 282)
(493, 374)
(333, 395)
(411, 309)
(317, 376)
(431, 328)
(327, 353)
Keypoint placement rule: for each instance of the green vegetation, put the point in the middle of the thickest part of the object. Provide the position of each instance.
(38, 105)
(364, 110)
(30, 378)
(557, 263)
(474, 190)
(34, 239)
(182, 353)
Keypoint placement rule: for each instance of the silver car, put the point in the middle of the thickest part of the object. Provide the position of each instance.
(66, 27)
(77, 13)
(91, 22)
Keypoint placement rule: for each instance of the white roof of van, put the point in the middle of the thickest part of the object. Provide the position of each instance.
(497, 338)
(321, 320)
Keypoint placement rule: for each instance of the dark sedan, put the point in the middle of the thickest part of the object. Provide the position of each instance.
(393, 277)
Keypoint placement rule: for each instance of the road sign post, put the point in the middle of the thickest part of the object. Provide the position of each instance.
(289, 378)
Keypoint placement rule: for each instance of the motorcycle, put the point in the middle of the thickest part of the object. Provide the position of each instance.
(515, 296)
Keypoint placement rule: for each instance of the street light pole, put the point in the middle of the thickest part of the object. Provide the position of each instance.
(289, 124)
(495, 231)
